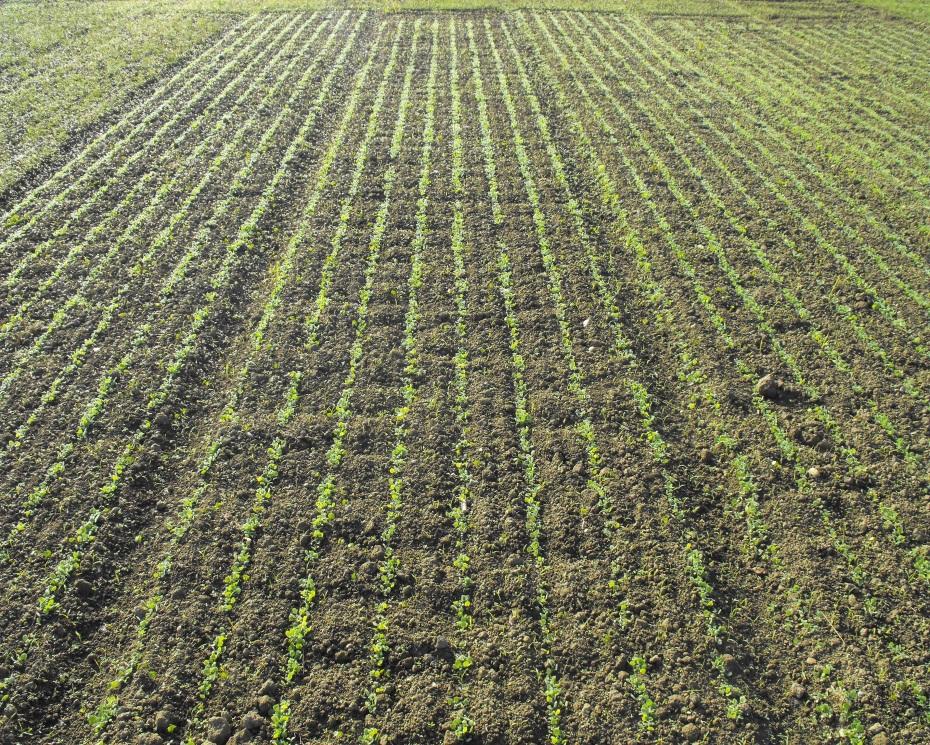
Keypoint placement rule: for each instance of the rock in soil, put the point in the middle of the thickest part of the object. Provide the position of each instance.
(84, 589)
(265, 705)
(770, 387)
(218, 730)
(269, 688)
(252, 722)
(163, 721)
(443, 648)
(690, 733)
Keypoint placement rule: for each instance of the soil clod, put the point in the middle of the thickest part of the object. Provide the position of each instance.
(218, 730)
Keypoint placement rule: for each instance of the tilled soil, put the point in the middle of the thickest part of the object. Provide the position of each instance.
(484, 377)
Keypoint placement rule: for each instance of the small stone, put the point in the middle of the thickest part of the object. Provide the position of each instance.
(770, 387)
(161, 422)
(578, 468)
(163, 721)
(729, 663)
(376, 553)
(880, 739)
(876, 729)
(798, 691)
(443, 648)
(690, 733)
(149, 738)
(252, 722)
(811, 660)
(218, 730)
(265, 705)
(84, 588)
(814, 473)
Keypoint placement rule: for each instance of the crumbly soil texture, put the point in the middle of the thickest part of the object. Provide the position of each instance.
(531, 377)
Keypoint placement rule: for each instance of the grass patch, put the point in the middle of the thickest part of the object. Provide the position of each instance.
(64, 65)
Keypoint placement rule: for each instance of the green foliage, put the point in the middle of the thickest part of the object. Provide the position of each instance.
(92, 56)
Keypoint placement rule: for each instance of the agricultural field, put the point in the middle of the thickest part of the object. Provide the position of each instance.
(491, 376)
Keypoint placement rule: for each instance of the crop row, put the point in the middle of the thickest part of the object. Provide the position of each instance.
(703, 296)
(461, 724)
(191, 77)
(784, 355)
(805, 315)
(389, 564)
(694, 560)
(118, 373)
(104, 226)
(233, 253)
(301, 626)
(781, 101)
(178, 526)
(830, 349)
(114, 307)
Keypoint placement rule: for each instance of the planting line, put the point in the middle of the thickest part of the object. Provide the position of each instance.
(921, 261)
(694, 558)
(575, 379)
(897, 51)
(861, 209)
(911, 387)
(16, 218)
(898, 242)
(140, 340)
(746, 502)
(86, 533)
(283, 271)
(25, 355)
(808, 55)
(460, 724)
(818, 336)
(551, 684)
(112, 310)
(784, 355)
(882, 305)
(899, 43)
(788, 449)
(237, 576)
(788, 114)
(299, 616)
(790, 41)
(103, 228)
(380, 645)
